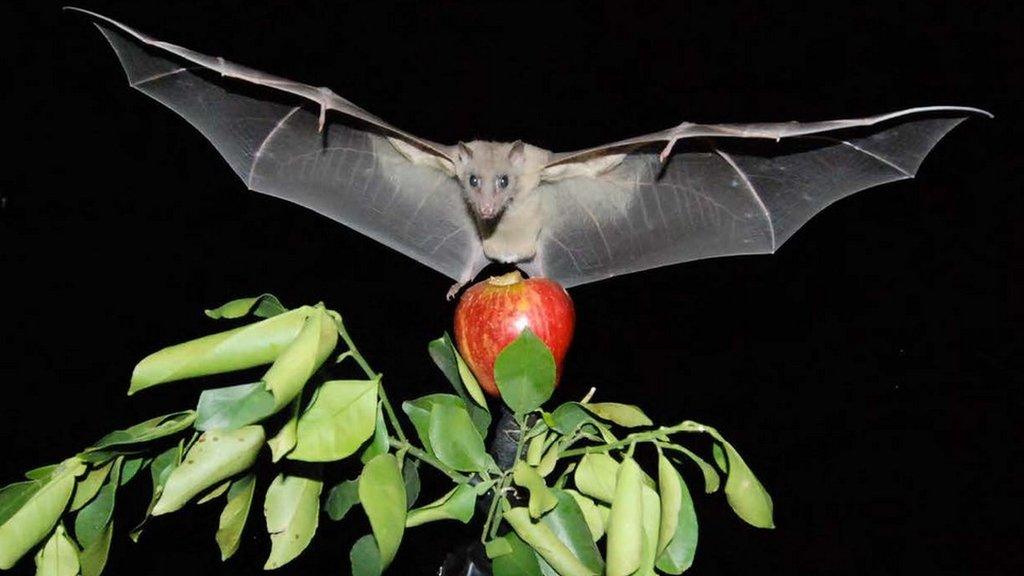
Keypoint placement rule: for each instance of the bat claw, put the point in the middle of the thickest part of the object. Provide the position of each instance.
(454, 291)
(324, 95)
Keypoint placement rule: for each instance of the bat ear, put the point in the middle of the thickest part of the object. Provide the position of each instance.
(517, 153)
(465, 154)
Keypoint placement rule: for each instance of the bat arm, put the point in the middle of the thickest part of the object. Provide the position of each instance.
(770, 131)
(325, 98)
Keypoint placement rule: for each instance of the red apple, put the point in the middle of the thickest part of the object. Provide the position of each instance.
(492, 313)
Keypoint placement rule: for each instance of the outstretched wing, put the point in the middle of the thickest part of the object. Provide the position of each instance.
(718, 193)
(278, 144)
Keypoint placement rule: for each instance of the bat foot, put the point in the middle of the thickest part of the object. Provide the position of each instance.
(454, 291)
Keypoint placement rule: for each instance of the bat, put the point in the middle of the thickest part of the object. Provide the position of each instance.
(689, 192)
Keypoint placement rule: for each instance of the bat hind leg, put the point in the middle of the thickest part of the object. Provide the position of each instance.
(473, 267)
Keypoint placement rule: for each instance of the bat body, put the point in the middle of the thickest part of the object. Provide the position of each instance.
(688, 192)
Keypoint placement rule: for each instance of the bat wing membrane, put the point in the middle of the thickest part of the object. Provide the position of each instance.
(717, 196)
(349, 172)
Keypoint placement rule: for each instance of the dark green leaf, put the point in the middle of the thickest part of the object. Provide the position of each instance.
(569, 525)
(720, 458)
(411, 478)
(447, 358)
(160, 470)
(519, 561)
(93, 519)
(234, 406)
(93, 558)
(263, 306)
(525, 373)
(342, 497)
(131, 467)
(89, 485)
(382, 493)
(418, 411)
(365, 557)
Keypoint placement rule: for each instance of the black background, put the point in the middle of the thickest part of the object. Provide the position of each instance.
(867, 371)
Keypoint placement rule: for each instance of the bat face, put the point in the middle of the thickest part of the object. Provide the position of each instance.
(490, 174)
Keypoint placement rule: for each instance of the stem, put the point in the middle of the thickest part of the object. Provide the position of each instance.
(424, 457)
(358, 357)
(649, 436)
(490, 526)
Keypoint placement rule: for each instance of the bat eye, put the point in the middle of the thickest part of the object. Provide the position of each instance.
(474, 181)
(503, 181)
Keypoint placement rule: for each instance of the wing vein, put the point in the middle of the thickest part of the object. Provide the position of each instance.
(753, 192)
(878, 157)
(156, 77)
(259, 151)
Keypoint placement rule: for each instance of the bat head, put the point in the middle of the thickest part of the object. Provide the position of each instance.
(490, 175)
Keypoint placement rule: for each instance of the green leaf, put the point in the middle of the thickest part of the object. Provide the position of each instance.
(649, 532)
(720, 458)
(677, 542)
(447, 358)
(89, 485)
(14, 496)
(341, 499)
(519, 561)
(94, 517)
(418, 411)
(625, 522)
(569, 525)
(535, 449)
(595, 515)
(93, 558)
(234, 515)
(243, 347)
(745, 493)
(152, 429)
(595, 476)
(234, 406)
(37, 514)
(411, 478)
(711, 478)
(365, 557)
(340, 419)
(456, 441)
(215, 457)
(382, 493)
(160, 470)
(525, 373)
(263, 306)
(625, 415)
(545, 542)
(458, 504)
(292, 508)
(58, 557)
(542, 499)
(379, 441)
(288, 374)
(288, 435)
(131, 467)
(215, 492)
(43, 472)
(497, 547)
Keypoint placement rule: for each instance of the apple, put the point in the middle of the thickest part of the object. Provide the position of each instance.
(492, 313)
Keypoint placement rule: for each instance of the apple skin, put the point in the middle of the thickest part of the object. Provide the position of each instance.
(492, 313)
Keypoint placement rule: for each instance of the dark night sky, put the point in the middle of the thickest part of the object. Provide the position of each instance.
(868, 371)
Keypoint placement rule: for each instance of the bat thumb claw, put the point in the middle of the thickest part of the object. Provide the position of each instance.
(663, 157)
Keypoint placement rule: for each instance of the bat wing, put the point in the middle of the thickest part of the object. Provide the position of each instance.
(719, 193)
(346, 169)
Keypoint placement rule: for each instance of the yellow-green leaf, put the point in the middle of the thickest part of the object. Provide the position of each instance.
(93, 557)
(543, 540)
(215, 457)
(38, 514)
(595, 476)
(264, 306)
(625, 415)
(234, 515)
(340, 419)
(288, 374)
(89, 485)
(382, 494)
(243, 347)
(595, 514)
(292, 508)
(58, 557)
(542, 498)
(625, 523)
(458, 504)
